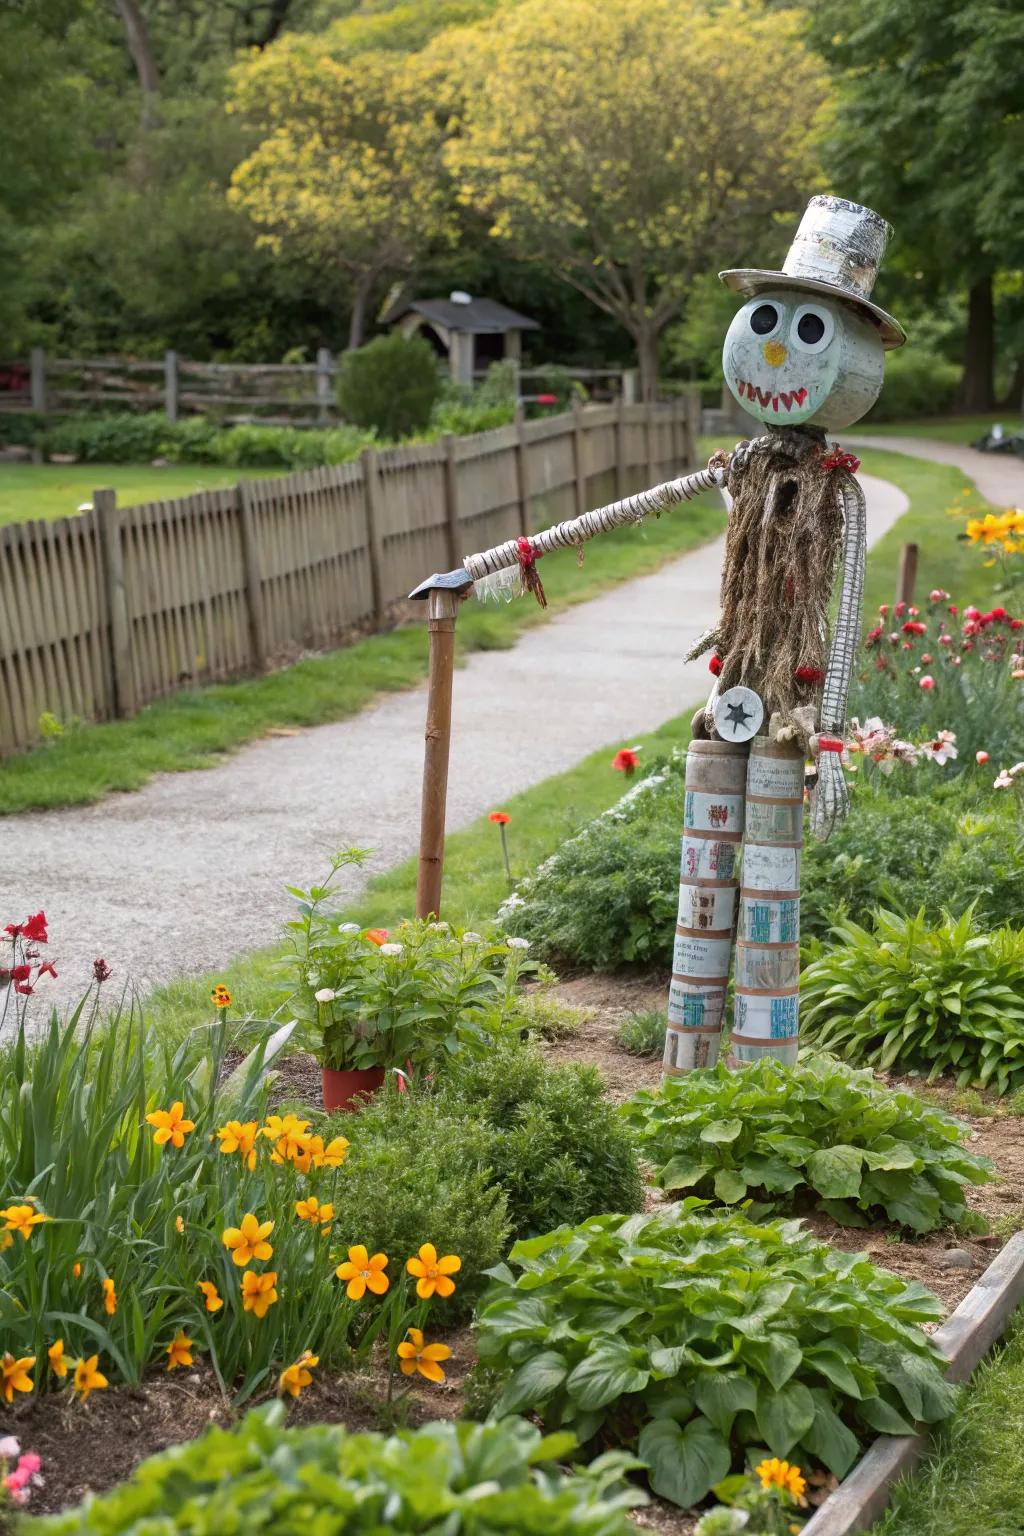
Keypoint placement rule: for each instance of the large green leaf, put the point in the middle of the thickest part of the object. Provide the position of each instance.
(684, 1463)
(721, 1131)
(835, 1171)
(534, 1382)
(682, 1173)
(784, 1416)
(610, 1369)
(829, 1439)
(721, 1396)
(730, 1186)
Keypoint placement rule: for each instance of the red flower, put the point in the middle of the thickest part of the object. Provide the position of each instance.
(927, 683)
(21, 972)
(101, 970)
(1017, 623)
(377, 935)
(954, 610)
(996, 615)
(873, 636)
(625, 762)
(883, 609)
(926, 658)
(501, 817)
(23, 987)
(900, 610)
(547, 399)
(809, 675)
(971, 613)
(715, 666)
(981, 758)
(914, 627)
(937, 595)
(837, 459)
(46, 969)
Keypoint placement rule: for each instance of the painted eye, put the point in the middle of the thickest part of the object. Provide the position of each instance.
(764, 319)
(812, 329)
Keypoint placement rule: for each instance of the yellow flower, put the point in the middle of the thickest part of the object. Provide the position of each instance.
(6, 1241)
(249, 1241)
(76, 1269)
(179, 1225)
(220, 996)
(432, 1273)
(179, 1350)
(311, 1210)
(88, 1377)
(779, 1474)
(14, 1376)
(414, 1355)
(331, 1156)
(55, 1355)
(289, 1134)
(258, 1292)
(210, 1291)
(363, 1273)
(109, 1297)
(22, 1218)
(294, 1377)
(240, 1137)
(171, 1125)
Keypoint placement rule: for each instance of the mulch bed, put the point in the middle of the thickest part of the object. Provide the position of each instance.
(98, 1444)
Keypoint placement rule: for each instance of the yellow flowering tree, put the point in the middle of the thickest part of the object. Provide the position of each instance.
(627, 145)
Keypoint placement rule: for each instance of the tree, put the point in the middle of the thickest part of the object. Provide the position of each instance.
(626, 145)
(929, 131)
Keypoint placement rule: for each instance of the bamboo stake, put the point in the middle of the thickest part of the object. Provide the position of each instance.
(442, 609)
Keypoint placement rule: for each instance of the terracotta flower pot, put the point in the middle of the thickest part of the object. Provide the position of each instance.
(341, 1088)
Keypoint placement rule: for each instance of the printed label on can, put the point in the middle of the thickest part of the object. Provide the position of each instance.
(708, 907)
(685, 1052)
(719, 773)
(696, 955)
(705, 858)
(693, 1006)
(766, 868)
(780, 778)
(713, 813)
(773, 823)
(768, 921)
(743, 1054)
(766, 1018)
(767, 970)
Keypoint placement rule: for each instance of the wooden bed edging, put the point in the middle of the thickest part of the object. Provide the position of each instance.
(964, 1338)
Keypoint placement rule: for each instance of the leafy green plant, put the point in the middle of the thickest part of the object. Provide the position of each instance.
(815, 1133)
(921, 998)
(496, 1479)
(696, 1336)
(643, 1034)
(391, 384)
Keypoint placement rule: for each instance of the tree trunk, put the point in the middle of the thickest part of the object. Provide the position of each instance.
(976, 390)
(357, 319)
(143, 57)
(646, 338)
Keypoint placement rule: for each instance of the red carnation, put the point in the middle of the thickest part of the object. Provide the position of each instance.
(809, 675)
(914, 627)
(715, 666)
(900, 610)
(1017, 623)
(972, 613)
(625, 762)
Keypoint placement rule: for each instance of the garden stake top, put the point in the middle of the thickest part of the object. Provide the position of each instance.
(804, 354)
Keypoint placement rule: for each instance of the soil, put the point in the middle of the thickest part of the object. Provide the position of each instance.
(96, 1445)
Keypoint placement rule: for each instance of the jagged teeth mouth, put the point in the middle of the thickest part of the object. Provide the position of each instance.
(787, 399)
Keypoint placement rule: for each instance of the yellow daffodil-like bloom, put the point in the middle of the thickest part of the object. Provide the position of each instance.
(55, 1355)
(212, 1295)
(220, 996)
(109, 1297)
(14, 1376)
(363, 1273)
(88, 1377)
(779, 1474)
(331, 1156)
(171, 1125)
(997, 528)
(179, 1350)
(179, 1225)
(258, 1292)
(249, 1241)
(294, 1377)
(291, 1141)
(414, 1355)
(312, 1211)
(238, 1136)
(22, 1218)
(432, 1274)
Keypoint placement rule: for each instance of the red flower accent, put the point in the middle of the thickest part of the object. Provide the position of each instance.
(829, 744)
(809, 675)
(837, 459)
(927, 683)
(377, 935)
(873, 636)
(501, 817)
(883, 609)
(23, 987)
(21, 972)
(547, 399)
(914, 627)
(46, 969)
(625, 762)
(1017, 623)
(101, 970)
(528, 557)
(954, 610)
(972, 613)
(900, 610)
(715, 666)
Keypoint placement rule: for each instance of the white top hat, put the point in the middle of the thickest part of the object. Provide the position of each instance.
(838, 250)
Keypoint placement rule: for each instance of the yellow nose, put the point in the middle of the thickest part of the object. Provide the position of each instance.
(774, 353)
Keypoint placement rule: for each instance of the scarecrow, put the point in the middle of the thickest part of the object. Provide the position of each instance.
(805, 354)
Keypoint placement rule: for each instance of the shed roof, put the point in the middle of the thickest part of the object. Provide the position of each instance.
(479, 316)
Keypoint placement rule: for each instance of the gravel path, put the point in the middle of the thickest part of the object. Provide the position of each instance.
(190, 871)
(999, 477)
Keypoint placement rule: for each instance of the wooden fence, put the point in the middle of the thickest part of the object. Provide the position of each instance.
(104, 612)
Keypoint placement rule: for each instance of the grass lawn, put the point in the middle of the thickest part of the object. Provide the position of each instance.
(955, 429)
(57, 490)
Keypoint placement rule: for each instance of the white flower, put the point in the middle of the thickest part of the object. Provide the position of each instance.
(391, 949)
(472, 938)
(1003, 780)
(325, 995)
(518, 943)
(439, 927)
(511, 903)
(349, 928)
(942, 748)
(10, 1450)
(1017, 768)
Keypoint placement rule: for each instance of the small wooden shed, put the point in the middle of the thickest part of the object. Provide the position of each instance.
(472, 332)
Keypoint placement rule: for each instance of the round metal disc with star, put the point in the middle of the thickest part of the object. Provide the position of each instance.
(739, 714)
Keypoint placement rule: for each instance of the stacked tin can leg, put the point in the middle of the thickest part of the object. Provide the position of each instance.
(716, 773)
(766, 1012)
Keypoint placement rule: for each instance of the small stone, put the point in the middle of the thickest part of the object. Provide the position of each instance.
(956, 1258)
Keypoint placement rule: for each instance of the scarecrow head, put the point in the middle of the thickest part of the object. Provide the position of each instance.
(808, 346)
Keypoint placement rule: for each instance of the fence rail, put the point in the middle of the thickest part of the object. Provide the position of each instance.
(104, 612)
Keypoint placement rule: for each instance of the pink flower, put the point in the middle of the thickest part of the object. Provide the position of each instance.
(926, 658)
(927, 683)
(914, 626)
(945, 639)
(1002, 780)
(937, 595)
(883, 609)
(30, 1463)
(971, 612)
(942, 748)
(981, 758)
(900, 610)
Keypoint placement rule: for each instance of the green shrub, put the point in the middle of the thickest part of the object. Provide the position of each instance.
(815, 1133)
(392, 385)
(111, 438)
(123, 438)
(478, 1479)
(695, 1337)
(921, 998)
(643, 1034)
(917, 383)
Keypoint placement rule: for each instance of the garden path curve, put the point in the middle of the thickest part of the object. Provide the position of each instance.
(999, 477)
(184, 874)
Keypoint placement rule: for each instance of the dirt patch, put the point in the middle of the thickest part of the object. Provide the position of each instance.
(610, 1000)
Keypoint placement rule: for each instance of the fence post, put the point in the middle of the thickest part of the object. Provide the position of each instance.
(323, 383)
(254, 606)
(907, 574)
(108, 519)
(451, 500)
(37, 378)
(691, 426)
(371, 497)
(579, 457)
(649, 409)
(522, 475)
(629, 385)
(171, 386)
(620, 450)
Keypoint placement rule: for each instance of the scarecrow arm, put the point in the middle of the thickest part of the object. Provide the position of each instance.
(831, 799)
